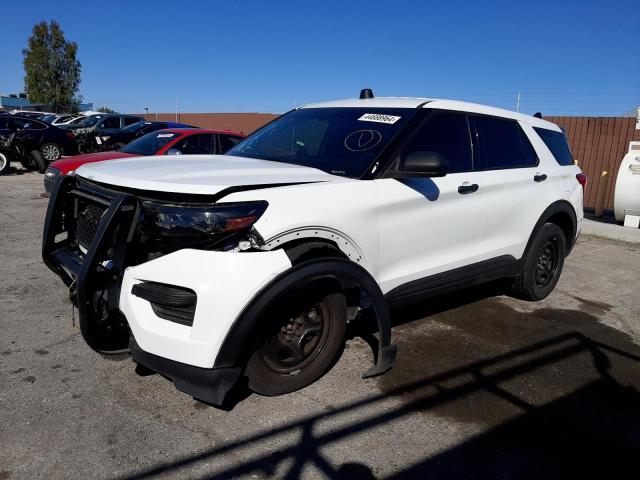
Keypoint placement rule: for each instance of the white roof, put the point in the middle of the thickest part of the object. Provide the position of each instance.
(410, 102)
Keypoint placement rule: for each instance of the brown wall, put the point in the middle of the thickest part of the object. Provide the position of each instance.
(238, 122)
(598, 143)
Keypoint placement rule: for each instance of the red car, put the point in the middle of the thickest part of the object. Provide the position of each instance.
(171, 141)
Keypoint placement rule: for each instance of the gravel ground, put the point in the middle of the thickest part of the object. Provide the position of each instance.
(485, 386)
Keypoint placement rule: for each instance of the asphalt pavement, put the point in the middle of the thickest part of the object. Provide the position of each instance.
(485, 386)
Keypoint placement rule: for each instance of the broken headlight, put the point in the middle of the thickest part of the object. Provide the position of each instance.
(202, 220)
(166, 228)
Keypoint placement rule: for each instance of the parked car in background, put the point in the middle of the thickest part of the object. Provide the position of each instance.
(57, 118)
(90, 131)
(28, 113)
(42, 143)
(116, 138)
(174, 141)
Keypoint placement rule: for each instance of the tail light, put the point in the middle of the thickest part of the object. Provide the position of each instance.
(582, 179)
(70, 135)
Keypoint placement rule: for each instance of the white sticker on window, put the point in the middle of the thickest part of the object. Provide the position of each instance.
(379, 118)
(165, 135)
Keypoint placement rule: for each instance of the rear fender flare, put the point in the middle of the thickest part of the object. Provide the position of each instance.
(561, 206)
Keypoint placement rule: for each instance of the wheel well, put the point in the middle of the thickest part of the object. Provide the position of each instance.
(304, 250)
(565, 222)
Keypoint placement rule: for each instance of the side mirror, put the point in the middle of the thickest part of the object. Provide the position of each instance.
(173, 151)
(423, 164)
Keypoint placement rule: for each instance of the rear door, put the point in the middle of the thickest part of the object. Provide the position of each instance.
(430, 225)
(512, 186)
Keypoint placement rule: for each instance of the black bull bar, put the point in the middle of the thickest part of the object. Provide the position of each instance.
(98, 272)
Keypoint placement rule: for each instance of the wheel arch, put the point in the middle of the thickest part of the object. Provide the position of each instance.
(334, 242)
(562, 214)
(334, 269)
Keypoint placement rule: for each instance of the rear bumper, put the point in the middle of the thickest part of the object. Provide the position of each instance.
(209, 385)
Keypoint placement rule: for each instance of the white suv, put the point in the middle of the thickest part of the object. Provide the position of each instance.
(211, 268)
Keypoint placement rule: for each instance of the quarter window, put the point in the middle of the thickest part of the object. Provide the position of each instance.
(557, 143)
(501, 143)
(446, 133)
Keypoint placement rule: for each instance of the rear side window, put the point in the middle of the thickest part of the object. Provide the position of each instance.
(557, 143)
(131, 120)
(500, 144)
(446, 133)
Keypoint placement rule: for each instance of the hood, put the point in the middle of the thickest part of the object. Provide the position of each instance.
(199, 174)
(65, 165)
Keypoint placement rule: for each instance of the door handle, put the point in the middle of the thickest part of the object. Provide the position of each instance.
(464, 189)
(539, 177)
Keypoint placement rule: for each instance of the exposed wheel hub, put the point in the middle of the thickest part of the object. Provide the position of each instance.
(296, 342)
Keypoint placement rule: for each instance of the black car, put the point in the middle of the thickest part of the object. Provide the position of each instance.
(115, 139)
(41, 143)
(89, 133)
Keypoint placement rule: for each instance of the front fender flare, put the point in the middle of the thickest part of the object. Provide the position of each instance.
(341, 269)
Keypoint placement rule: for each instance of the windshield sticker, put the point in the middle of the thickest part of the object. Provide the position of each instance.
(362, 140)
(165, 135)
(379, 118)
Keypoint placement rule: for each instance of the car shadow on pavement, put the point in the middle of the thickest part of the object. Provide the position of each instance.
(552, 393)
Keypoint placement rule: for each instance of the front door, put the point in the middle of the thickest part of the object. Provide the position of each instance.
(430, 225)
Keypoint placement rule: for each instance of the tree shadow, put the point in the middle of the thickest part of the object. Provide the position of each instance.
(554, 390)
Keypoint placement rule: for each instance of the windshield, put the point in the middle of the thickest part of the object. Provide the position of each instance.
(90, 121)
(134, 127)
(340, 141)
(150, 143)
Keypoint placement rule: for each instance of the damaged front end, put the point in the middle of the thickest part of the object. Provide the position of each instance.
(92, 233)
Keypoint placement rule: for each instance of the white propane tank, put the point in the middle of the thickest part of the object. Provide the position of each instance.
(626, 200)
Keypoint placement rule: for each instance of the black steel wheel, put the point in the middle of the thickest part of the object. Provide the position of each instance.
(304, 336)
(542, 265)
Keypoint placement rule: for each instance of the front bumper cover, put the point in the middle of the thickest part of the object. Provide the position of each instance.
(208, 385)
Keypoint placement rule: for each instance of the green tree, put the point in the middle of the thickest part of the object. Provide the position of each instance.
(52, 71)
(106, 110)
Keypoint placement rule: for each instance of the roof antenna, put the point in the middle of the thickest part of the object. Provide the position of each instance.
(366, 93)
(537, 115)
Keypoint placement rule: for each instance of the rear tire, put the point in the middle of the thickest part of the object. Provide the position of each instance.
(51, 152)
(5, 162)
(302, 340)
(38, 159)
(542, 266)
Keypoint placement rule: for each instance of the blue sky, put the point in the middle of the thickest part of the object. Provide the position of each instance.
(571, 58)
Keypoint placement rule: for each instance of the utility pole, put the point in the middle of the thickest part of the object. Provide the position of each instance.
(518, 103)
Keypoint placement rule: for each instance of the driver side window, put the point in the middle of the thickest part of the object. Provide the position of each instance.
(446, 133)
(111, 122)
